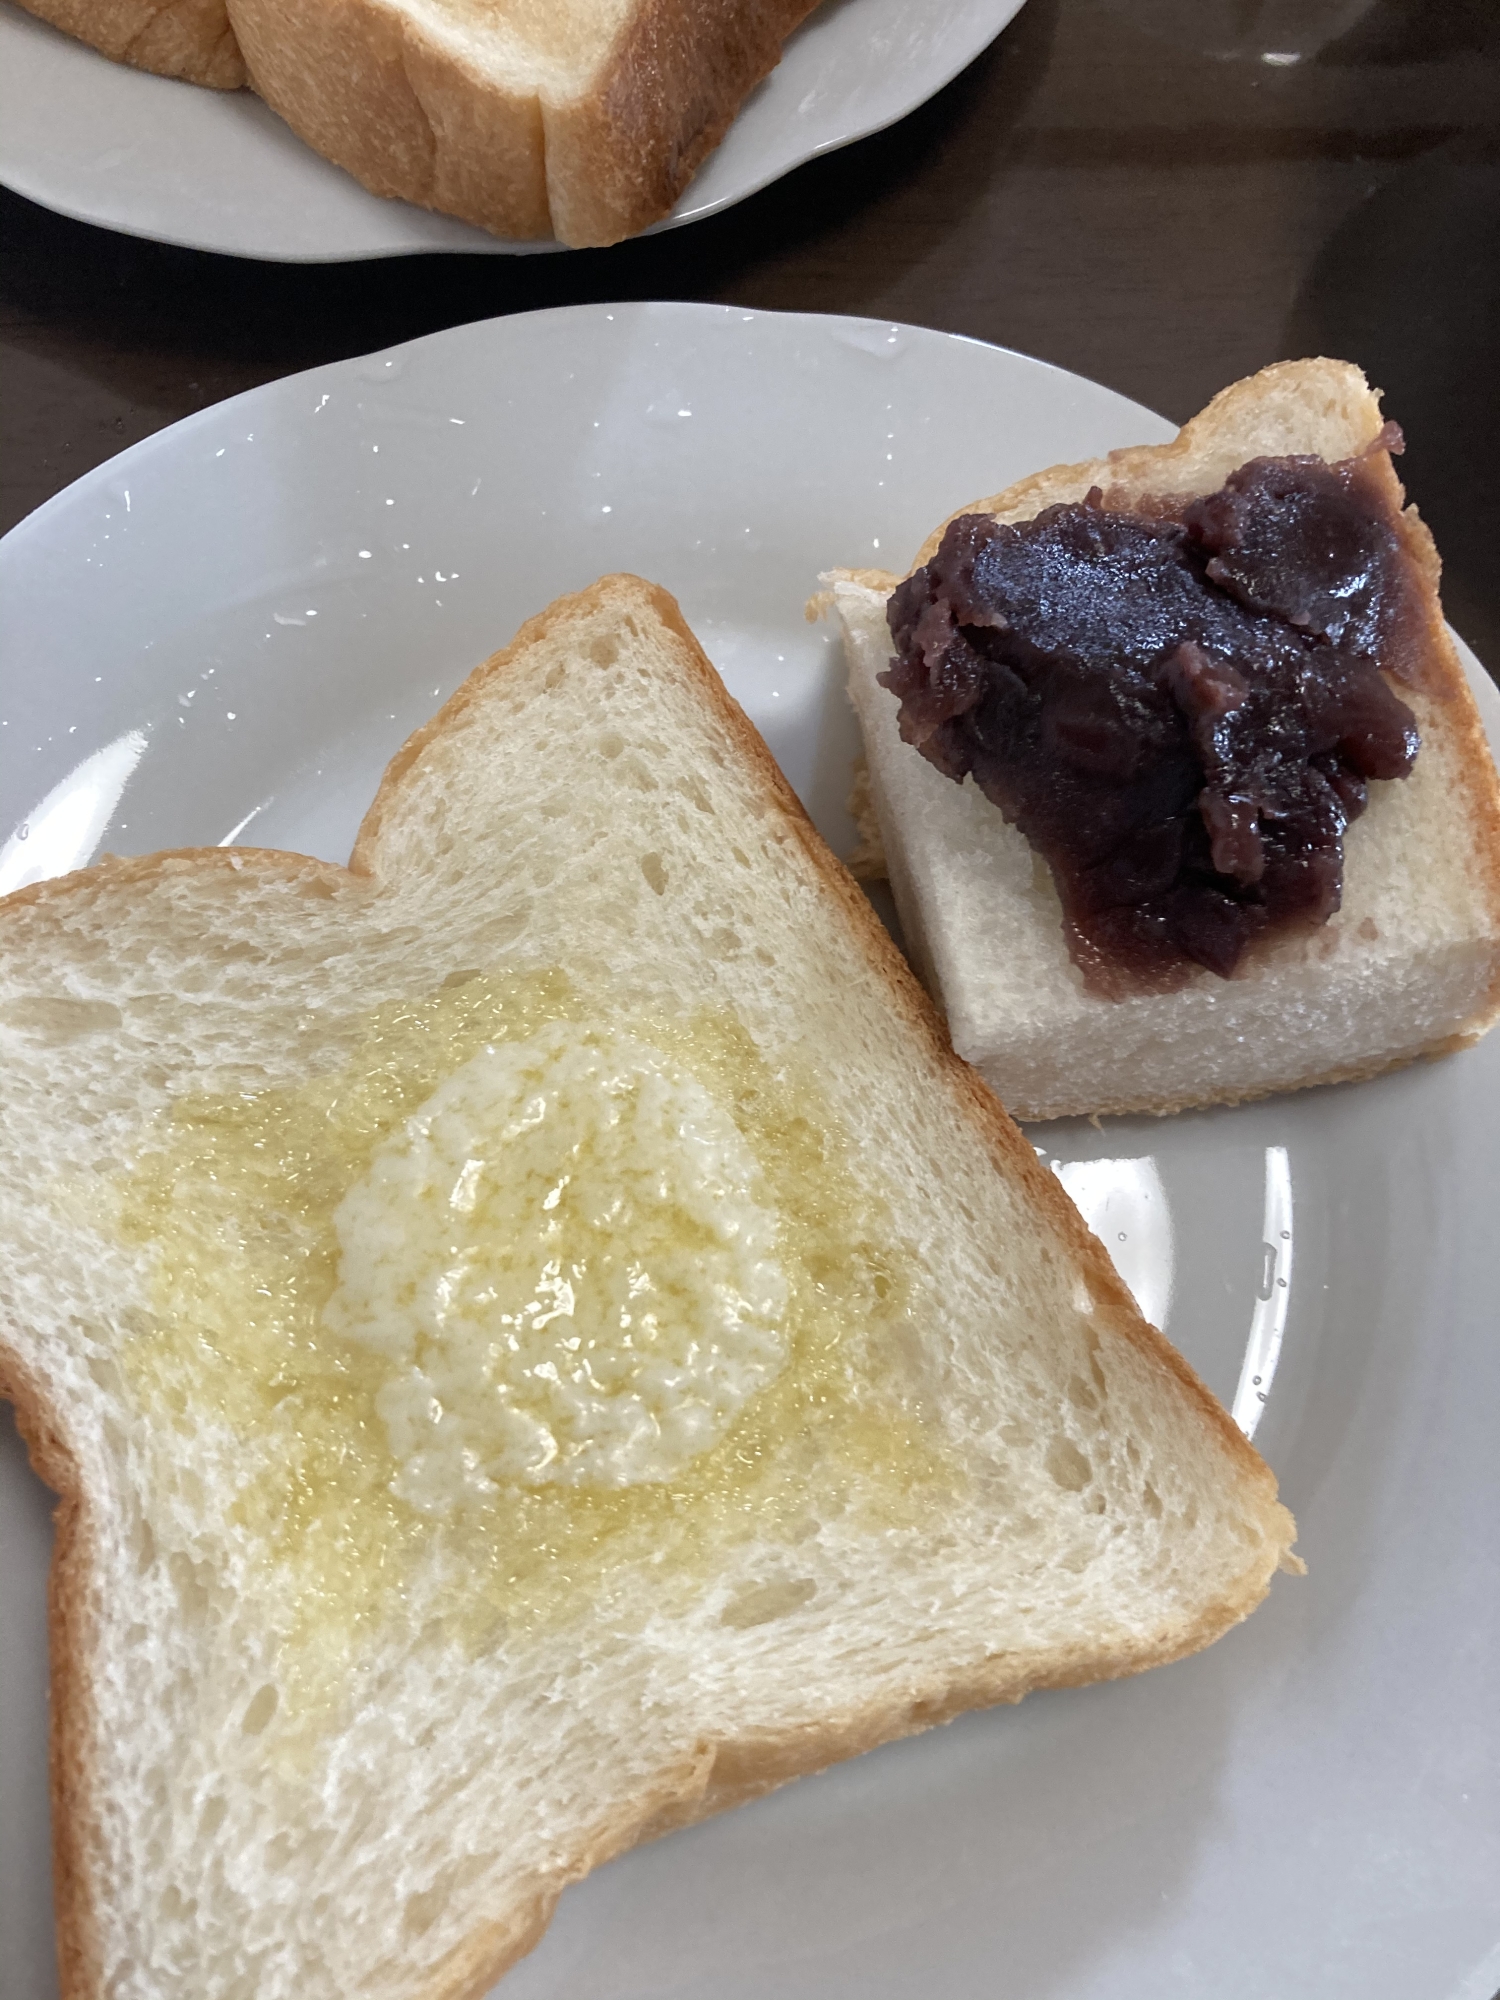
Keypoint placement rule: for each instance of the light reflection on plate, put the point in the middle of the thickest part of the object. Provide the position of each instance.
(1273, 1298)
(1126, 1206)
(1125, 1203)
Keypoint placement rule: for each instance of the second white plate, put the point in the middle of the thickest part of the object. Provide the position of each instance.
(218, 170)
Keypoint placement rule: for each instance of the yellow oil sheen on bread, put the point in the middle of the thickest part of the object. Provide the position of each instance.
(438, 1349)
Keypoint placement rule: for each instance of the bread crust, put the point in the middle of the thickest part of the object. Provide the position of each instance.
(71, 1706)
(1223, 434)
(371, 87)
(187, 39)
(618, 158)
(400, 97)
(716, 1775)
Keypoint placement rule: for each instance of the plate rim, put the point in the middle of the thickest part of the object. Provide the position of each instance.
(707, 309)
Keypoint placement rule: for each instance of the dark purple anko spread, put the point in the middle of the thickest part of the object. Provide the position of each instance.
(1180, 711)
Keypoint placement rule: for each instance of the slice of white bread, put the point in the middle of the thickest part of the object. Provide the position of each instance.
(1409, 966)
(187, 39)
(579, 119)
(311, 1741)
(582, 120)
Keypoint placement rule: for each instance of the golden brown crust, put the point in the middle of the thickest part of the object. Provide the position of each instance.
(720, 1775)
(71, 1703)
(1149, 468)
(748, 1769)
(118, 871)
(472, 1967)
(188, 39)
(619, 158)
(399, 98)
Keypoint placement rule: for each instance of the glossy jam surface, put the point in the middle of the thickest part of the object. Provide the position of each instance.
(520, 1296)
(1180, 711)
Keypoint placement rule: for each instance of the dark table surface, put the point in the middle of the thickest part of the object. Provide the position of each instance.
(1161, 194)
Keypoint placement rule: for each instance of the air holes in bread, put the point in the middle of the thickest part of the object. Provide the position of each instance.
(654, 872)
(505, 930)
(421, 1909)
(461, 978)
(603, 650)
(1081, 1394)
(261, 1708)
(763, 1602)
(1068, 1466)
(610, 746)
(192, 1596)
(1151, 1501)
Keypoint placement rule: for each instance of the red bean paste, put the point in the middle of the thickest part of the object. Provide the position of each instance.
(1180, 710)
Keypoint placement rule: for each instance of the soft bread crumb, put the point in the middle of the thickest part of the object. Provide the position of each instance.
(867, 862)
(222, 1837)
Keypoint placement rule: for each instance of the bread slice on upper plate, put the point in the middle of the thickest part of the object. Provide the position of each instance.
(578, 119)
(187, 39)
(539, 1339)
(1409, 966)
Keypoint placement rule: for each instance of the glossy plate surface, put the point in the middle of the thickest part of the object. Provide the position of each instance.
(225, 632)
(217, 170)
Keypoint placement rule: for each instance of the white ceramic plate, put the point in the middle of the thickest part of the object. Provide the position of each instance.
(226, 631)
(218, 170)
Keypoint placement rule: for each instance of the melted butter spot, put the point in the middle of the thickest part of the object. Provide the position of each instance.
(286, 1410)
(613, 1298)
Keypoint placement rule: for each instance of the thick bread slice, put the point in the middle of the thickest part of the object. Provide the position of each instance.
(280, 1782)
(1410, 965)
(188, 39)
(579, 119)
